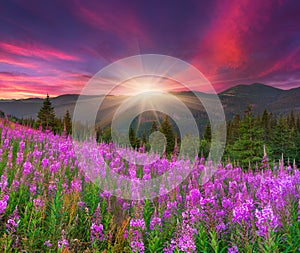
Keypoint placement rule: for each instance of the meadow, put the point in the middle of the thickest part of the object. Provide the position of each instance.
(48, 204)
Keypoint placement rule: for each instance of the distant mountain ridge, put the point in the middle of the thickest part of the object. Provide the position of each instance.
(234, 100)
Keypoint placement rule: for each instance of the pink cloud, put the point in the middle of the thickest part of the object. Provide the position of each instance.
(15, 85)
(48, 78)
(11, 60)
(38, 51)
(230, 36)
(289, 62)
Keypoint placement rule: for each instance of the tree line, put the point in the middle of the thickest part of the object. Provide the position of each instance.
(46, 119)
(247, 134)
(165, 127)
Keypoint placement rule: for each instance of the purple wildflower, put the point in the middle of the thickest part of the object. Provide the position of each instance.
(38, 204)
(195, 196)
(45, 162)
(155, 222)
(3, 182)
(76, 185)
(266, 221)
(81, 204)
(3, 203)
(184, 242)
(136, 228)
(241, 213)
(97, 232)
(137, 246)
(22, 145)
(63, 243)
(27, 167)
(13, 222)
(137, 223)
(233, 249)
(47, 243)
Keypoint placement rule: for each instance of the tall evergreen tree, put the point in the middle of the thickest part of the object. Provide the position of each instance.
(58, 126)
(167, 130)
(292, 120)
(144, 138)
(265, 123)
(153, 127)
(234, 130)
(206, 141)
(207, 133)
(248, 147)
(68, 123)
(283, 139)
(298, 124)
(134, 141)
(297, 141)
(46, 115)
(106, 135)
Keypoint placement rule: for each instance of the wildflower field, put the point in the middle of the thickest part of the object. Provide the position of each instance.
(48, 204)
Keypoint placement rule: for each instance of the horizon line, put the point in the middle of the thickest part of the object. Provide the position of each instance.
(78, 94)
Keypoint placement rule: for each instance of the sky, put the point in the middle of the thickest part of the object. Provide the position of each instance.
(56, 46)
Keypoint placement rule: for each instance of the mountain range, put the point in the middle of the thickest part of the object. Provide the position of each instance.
(234, 100)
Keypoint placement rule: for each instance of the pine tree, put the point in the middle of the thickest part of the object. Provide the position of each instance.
(292, 120)
(106, 135)
(247, 148)
(154, 127)
(134, 141)
(230, 131)
(68, 123)
(207, 133)
(206, 141)
(234, 129)
(58, 126)
(167, 130)
(298, 124)
(297, 141)
(283, 139)
(144, 138)
(265, 123)
(46, 115)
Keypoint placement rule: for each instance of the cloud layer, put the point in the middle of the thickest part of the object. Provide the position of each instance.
(56, 46)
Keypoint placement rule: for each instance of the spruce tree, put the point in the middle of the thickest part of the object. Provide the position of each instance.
(106, 135)
(248, 147)
(68, 123)
(233, 131)
(46, 115)
(134, 141)
(206, 141)
(207, 133)
(144, 138)
(283, 139)
(292, 120)
(298, 124)
(265, 123)
(167, 130)
(58, 126)
(154, 127)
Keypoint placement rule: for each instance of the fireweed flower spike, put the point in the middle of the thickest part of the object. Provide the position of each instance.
(3, 203)
(266, 221)
(137, 226)
(63, 242)
(233, 249)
